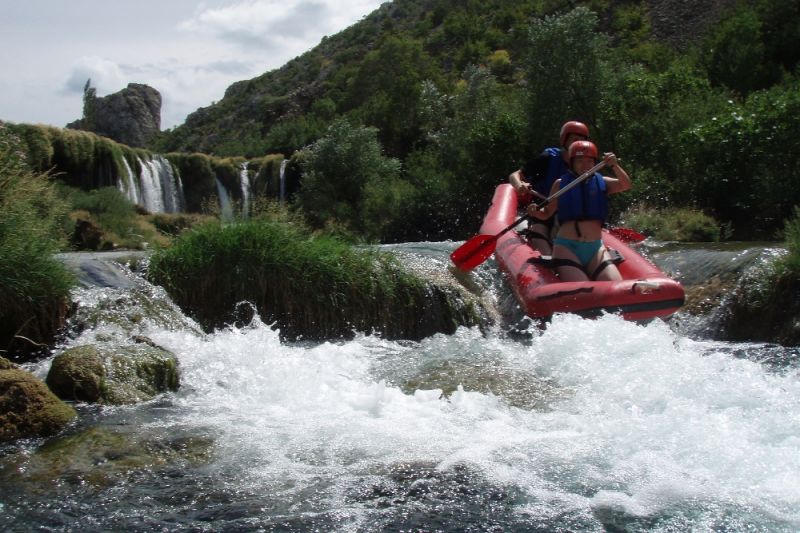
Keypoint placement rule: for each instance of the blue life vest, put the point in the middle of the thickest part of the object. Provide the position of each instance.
(587, 201)
(556, 167)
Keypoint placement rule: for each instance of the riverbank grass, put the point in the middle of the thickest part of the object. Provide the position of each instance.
(310, 286)
(674, 224)
(33, 285)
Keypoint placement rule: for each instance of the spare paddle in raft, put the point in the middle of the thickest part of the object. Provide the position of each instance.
(627, 235)
(478, 249)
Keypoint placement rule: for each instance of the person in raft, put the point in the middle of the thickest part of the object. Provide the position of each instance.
(535, 179)
(578, 251)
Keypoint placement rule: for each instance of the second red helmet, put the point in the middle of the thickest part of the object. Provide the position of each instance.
(573, 126)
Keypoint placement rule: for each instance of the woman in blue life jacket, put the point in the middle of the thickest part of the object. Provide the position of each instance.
(535, 179)
(578, 251)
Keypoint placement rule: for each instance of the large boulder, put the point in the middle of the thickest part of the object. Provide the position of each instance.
(113, 375)
(27, 407)
(131, 116)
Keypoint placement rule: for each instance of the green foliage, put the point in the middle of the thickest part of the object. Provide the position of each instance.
(275, 264)
(737, 55)
(198, 177)
(343, 172)
(89, 106)
(473, 137)
(791, 235)
(32, 283)
(112, 211)
(674, 224)
(82, 158)
(500, 64)
(747, 157)
(385, 92)
(292, 134)
(174, 224)
(564, 71)
(643, 118)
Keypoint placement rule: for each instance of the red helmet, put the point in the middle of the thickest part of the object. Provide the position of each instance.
(582, 149)
(573, 126)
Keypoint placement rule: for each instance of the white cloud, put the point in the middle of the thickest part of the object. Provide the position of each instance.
(106, 75)
(276, 25)
(190, 57)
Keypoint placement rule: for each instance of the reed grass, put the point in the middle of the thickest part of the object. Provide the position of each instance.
(790, 264)
(676, 224)
(33, 285)
(312, 287)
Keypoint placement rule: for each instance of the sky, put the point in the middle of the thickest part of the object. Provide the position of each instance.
(188, 50)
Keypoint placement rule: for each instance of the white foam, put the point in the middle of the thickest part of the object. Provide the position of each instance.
(644, 419)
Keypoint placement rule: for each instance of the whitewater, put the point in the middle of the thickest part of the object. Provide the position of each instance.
(585, 425)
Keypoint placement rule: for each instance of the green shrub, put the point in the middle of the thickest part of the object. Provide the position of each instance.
(340, 171)
(791, 236)
(312, 286)
(109, 208)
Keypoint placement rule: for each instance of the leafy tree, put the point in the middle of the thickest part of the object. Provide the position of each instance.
(385, 92)
(744, 160)
(475, 140)
(564, 71)
(89, 106)
(737, 55)
(343, 173)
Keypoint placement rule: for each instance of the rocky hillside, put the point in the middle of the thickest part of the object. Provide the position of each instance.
(285, 109)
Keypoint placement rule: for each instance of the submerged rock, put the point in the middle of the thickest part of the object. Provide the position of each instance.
(764, 307)
(100, 457)
(113, 375)
(27, 407)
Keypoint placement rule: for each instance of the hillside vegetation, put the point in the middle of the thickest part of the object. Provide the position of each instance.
(700, 104)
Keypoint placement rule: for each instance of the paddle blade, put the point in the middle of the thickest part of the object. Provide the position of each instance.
(474, 252)
(627, 235)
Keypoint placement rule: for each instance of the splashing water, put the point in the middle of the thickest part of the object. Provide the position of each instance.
(590, 425)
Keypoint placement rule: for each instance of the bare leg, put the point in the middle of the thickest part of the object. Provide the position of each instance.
(610, 272)
(543, 245)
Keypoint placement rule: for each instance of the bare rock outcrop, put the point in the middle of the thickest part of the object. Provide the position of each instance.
(131, 116)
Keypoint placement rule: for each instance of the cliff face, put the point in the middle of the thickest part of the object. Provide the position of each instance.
(131, 116)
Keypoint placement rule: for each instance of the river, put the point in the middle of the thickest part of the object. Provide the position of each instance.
(585, 425)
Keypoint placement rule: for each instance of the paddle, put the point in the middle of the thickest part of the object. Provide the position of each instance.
(478, 249)
(627, 235)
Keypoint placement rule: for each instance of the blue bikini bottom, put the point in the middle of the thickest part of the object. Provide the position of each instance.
(583, 250)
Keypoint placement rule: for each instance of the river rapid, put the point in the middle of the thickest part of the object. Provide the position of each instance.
(585, 425)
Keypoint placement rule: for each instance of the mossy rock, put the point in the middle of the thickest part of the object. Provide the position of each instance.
(113, 375)
(101, 457)
(765, 309)
(27, 407)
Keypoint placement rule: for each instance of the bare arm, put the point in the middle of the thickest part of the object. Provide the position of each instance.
(621, 182)
(519, 184)
(547, 211)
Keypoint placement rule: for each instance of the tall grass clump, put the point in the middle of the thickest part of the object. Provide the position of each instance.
(314, 287)
(790, 264)
(33, 285)
(676, 224)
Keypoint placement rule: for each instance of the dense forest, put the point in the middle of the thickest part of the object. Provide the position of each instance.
(406, 121)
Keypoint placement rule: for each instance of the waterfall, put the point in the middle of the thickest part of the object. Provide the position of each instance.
(245, 183)
(157, 188)
(226, 211)
(128, 185)
(282, 195)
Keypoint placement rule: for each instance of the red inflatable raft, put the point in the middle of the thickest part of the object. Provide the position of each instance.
(645, 291)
